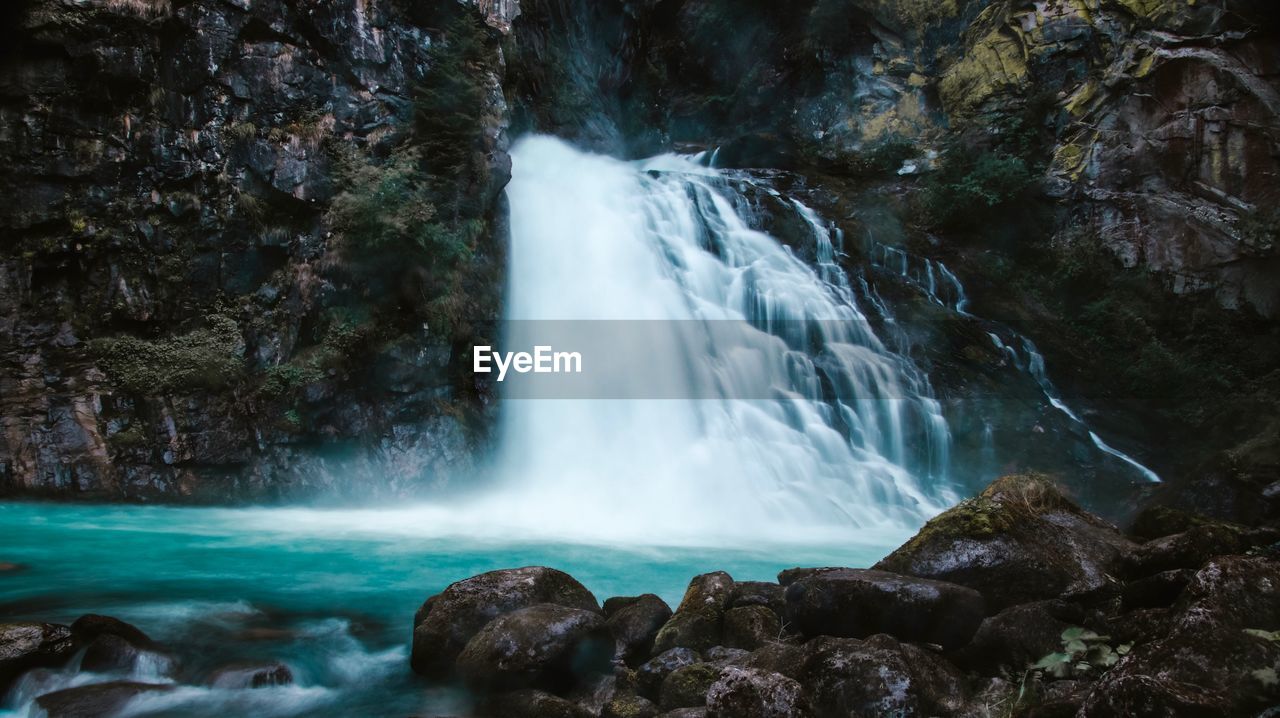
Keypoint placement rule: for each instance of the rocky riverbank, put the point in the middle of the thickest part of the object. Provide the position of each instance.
(1013, 603)
(1016, 602)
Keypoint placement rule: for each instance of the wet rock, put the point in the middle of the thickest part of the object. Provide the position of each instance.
(687, 687)
(751, 693)
(636, 624)
(784, 658)
(1155, 522)
(697, 621)
(252, 676)
(448, 620)
(629, 706)
(724, 655)
(789, 576)
(758, 593)
(749, 627)
(1020, 540)
(109, 653)
(1220, 654)
(1189, 549)
(878, 676)
(531, 704)
(24, 646)
(650, 675)
(545, 646)
(92, 626)
(1017, 637)
(96, 700)
(856, 603)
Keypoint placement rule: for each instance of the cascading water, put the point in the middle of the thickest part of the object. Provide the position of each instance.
(806, 423)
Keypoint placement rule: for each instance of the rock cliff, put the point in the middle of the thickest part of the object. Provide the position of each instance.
(179, 317)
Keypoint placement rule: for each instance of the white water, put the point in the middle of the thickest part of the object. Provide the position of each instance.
(595, 238)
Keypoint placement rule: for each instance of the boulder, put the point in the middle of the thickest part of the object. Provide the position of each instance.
(629, 706)
(856, 603)
(1017, 637)
(651, 674)
(448, 620)
(699, 712)
(724, 655)
(547, 646)
(531, 704)
(1219, 658)
(697, 621)
(251, 676)
(784, 658)
(752, 693)
(687, 687)
(1189, 549)
(94, 700)
(749, 627)
(879, 676)
(635, 625)
(786, 577)
(1019, 541)
(24, 646)
(91, 626)
(758, 593)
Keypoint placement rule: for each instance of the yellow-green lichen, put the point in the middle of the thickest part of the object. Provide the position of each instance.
(993, 64)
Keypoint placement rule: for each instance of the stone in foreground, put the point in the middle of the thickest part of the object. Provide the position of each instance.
(856, 603)
(546, 646)
(448, 620)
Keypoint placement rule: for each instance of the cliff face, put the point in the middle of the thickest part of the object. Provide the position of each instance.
(178, 319)
(186, 312)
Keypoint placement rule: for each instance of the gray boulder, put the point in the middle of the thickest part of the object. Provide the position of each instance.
(752, 693)
(24, 646)
(697, 621)
(448, 620)
(636, 624)
(547, 646)
(856, 603)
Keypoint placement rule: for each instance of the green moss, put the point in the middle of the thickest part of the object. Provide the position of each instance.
(971, 183)
(209, 357)
(131, 437)
(999, 509)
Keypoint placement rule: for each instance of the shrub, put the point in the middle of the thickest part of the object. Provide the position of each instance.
(971, 183)
(209, 357)
(385, 212)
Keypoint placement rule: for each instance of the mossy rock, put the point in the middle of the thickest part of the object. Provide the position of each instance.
(1019, 540)
(687, 687)
(697, 621)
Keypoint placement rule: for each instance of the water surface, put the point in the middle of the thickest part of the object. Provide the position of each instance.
(331, 593)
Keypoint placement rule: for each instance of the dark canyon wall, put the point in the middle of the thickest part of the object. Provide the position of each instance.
(1101, 172)
(181, 315)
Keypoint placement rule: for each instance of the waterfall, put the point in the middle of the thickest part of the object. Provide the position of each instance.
(796, 419)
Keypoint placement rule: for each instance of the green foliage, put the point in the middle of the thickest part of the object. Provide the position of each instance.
(385, 211)
(208, 357)
(1084, 653)
(346, 336)
(449, 107)
(884, 157)
(971, 183)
